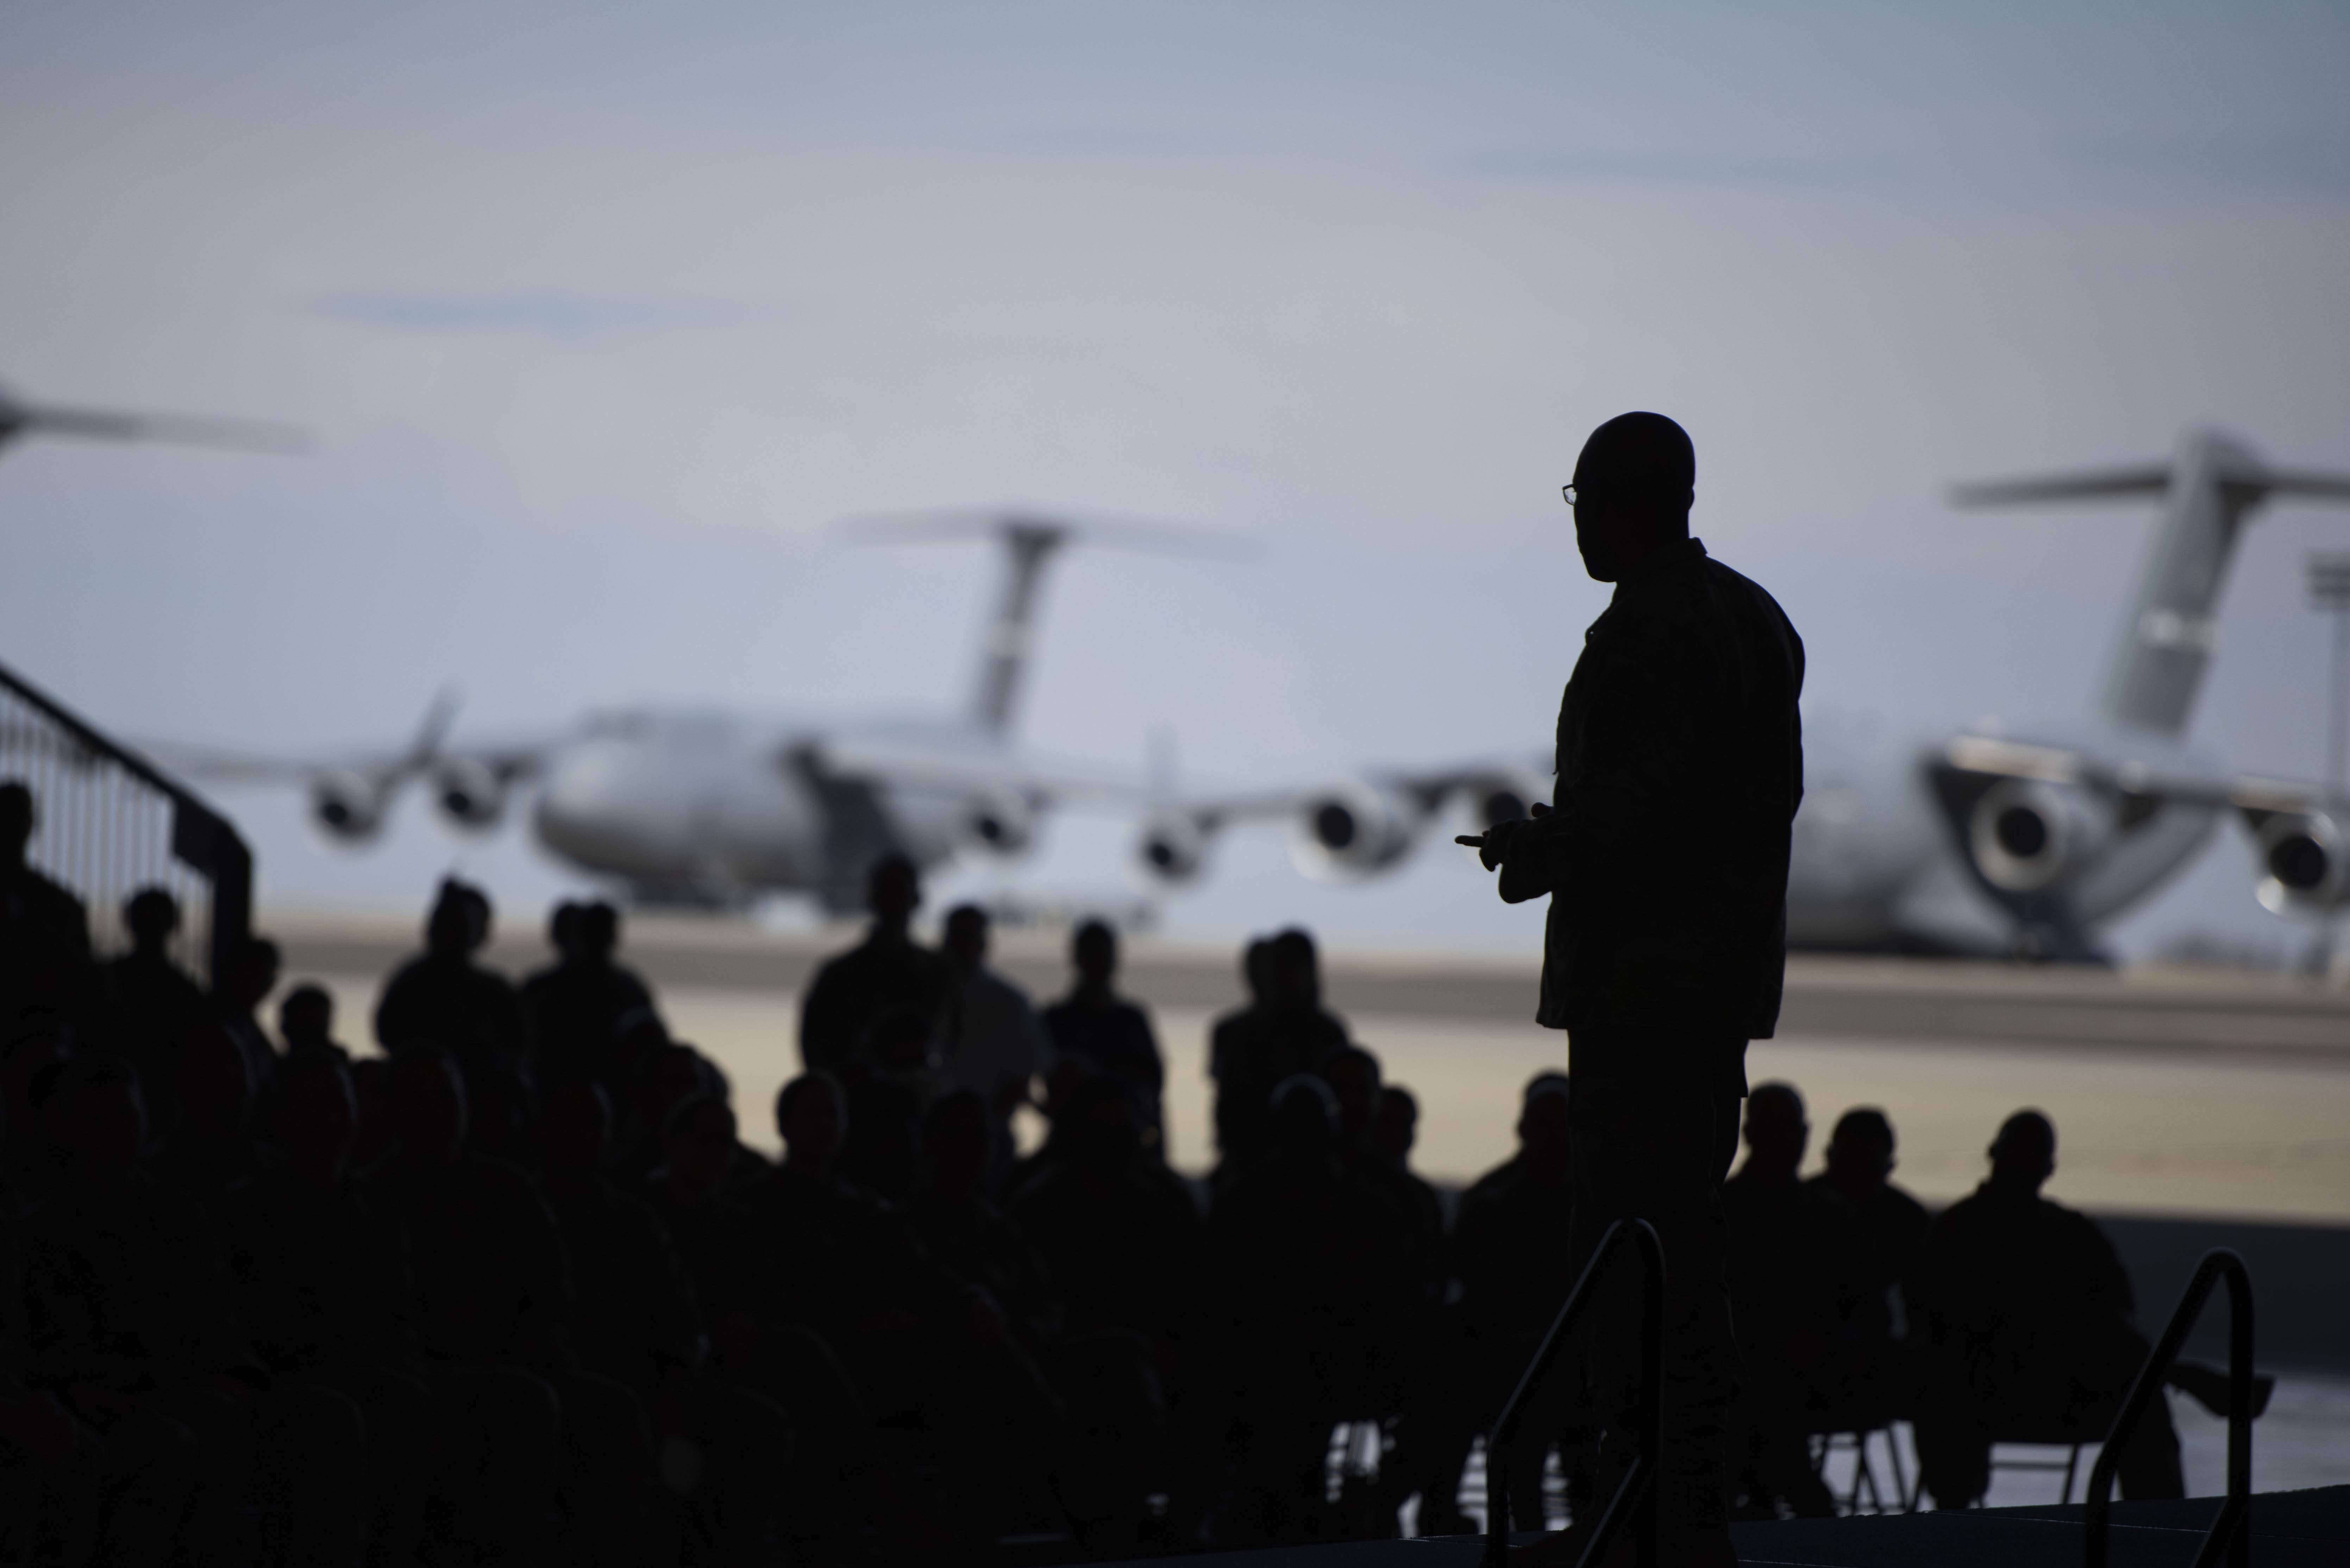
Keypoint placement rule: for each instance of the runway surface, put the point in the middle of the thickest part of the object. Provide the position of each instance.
(2173, 1092)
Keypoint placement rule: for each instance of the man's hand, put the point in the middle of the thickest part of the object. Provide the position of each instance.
(1493, 845)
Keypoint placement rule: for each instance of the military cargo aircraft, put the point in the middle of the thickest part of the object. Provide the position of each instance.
(2014, 839)
(708, 807)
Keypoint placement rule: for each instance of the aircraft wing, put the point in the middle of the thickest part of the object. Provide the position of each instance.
(923, 763)
(1353, 827)
(351, 790)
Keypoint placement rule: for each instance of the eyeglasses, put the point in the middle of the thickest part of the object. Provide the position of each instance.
(1571, 494)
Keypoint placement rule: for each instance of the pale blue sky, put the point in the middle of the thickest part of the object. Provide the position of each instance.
(607, 318)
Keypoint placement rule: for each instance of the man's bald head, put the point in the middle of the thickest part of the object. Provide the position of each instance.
(1633, 483)
(1642, 462)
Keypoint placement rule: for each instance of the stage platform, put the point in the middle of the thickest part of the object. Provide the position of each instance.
(2290, 1530)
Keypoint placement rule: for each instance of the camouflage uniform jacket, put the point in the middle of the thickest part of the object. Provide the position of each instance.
(1680, 763)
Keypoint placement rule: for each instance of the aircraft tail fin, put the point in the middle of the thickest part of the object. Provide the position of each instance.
(1029, 543)
(2212, 484)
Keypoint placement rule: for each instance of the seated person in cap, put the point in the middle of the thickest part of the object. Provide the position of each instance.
(2028, 1309)
(838, 1476)
(1103, 1376)
(305, 1020)
(493, 1288)
(1313, 1292)
(1859, 1170)
(212, 1148)
(638, 1323)
(1510, 1248)
(320, 1263)
(924, 1346)
(1805, 1293)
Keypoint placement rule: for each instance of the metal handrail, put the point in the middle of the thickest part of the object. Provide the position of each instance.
(1639, 1236)
(201, 838)
(2231, 1532)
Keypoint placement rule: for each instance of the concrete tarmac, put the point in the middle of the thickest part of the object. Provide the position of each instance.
(2173, 1092)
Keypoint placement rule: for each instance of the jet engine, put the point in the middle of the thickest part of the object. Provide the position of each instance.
(1001, 826)
(470, 792)
(1172, 849)
(2301, 862)
(1354, 832)
(1500, 798)
(348, 807)
(2028, 835)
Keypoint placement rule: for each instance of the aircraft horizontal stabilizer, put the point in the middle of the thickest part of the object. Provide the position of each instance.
(2152, 479)
(1016, 524)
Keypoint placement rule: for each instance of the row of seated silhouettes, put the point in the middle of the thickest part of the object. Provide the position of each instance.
(2005, 1317)
(427, 1305)
(615, 1316)
(1828, 1275)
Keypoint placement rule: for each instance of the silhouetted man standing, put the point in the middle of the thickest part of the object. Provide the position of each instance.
(1679, 768)
(887, 970)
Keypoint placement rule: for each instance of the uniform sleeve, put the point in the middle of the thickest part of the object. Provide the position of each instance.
(1638, 750)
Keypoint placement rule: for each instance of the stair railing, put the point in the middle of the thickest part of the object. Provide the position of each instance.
(1634, 1504)
(2230, 1539)
(111, 822)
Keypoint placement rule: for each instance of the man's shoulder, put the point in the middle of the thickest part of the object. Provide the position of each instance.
(1491, 1187)
(1898, 1202)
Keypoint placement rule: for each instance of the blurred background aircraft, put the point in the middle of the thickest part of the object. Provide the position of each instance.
(1987, 838)
(710, 807)
(604, 321)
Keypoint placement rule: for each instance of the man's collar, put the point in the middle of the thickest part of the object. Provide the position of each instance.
(1680, 552)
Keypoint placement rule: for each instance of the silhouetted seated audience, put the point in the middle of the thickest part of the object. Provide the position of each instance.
(492, 1290)
(213, 1146)
(320, 1264)
(1315, 1296)
(929, 1352)
(1283, 1031)
(1105, 1376)
(573, 1005)
(1353, 1075)
(839, 1478)
(130, 1313)
(900, 1047)
(1509, 1254)
(887, 970)
(306, 1021)
(722, 1448)
(467, 1304)
(1098, 1031)
(1807, 1295)
(1860, 1170)
(445, 998)
(2030, 1310)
